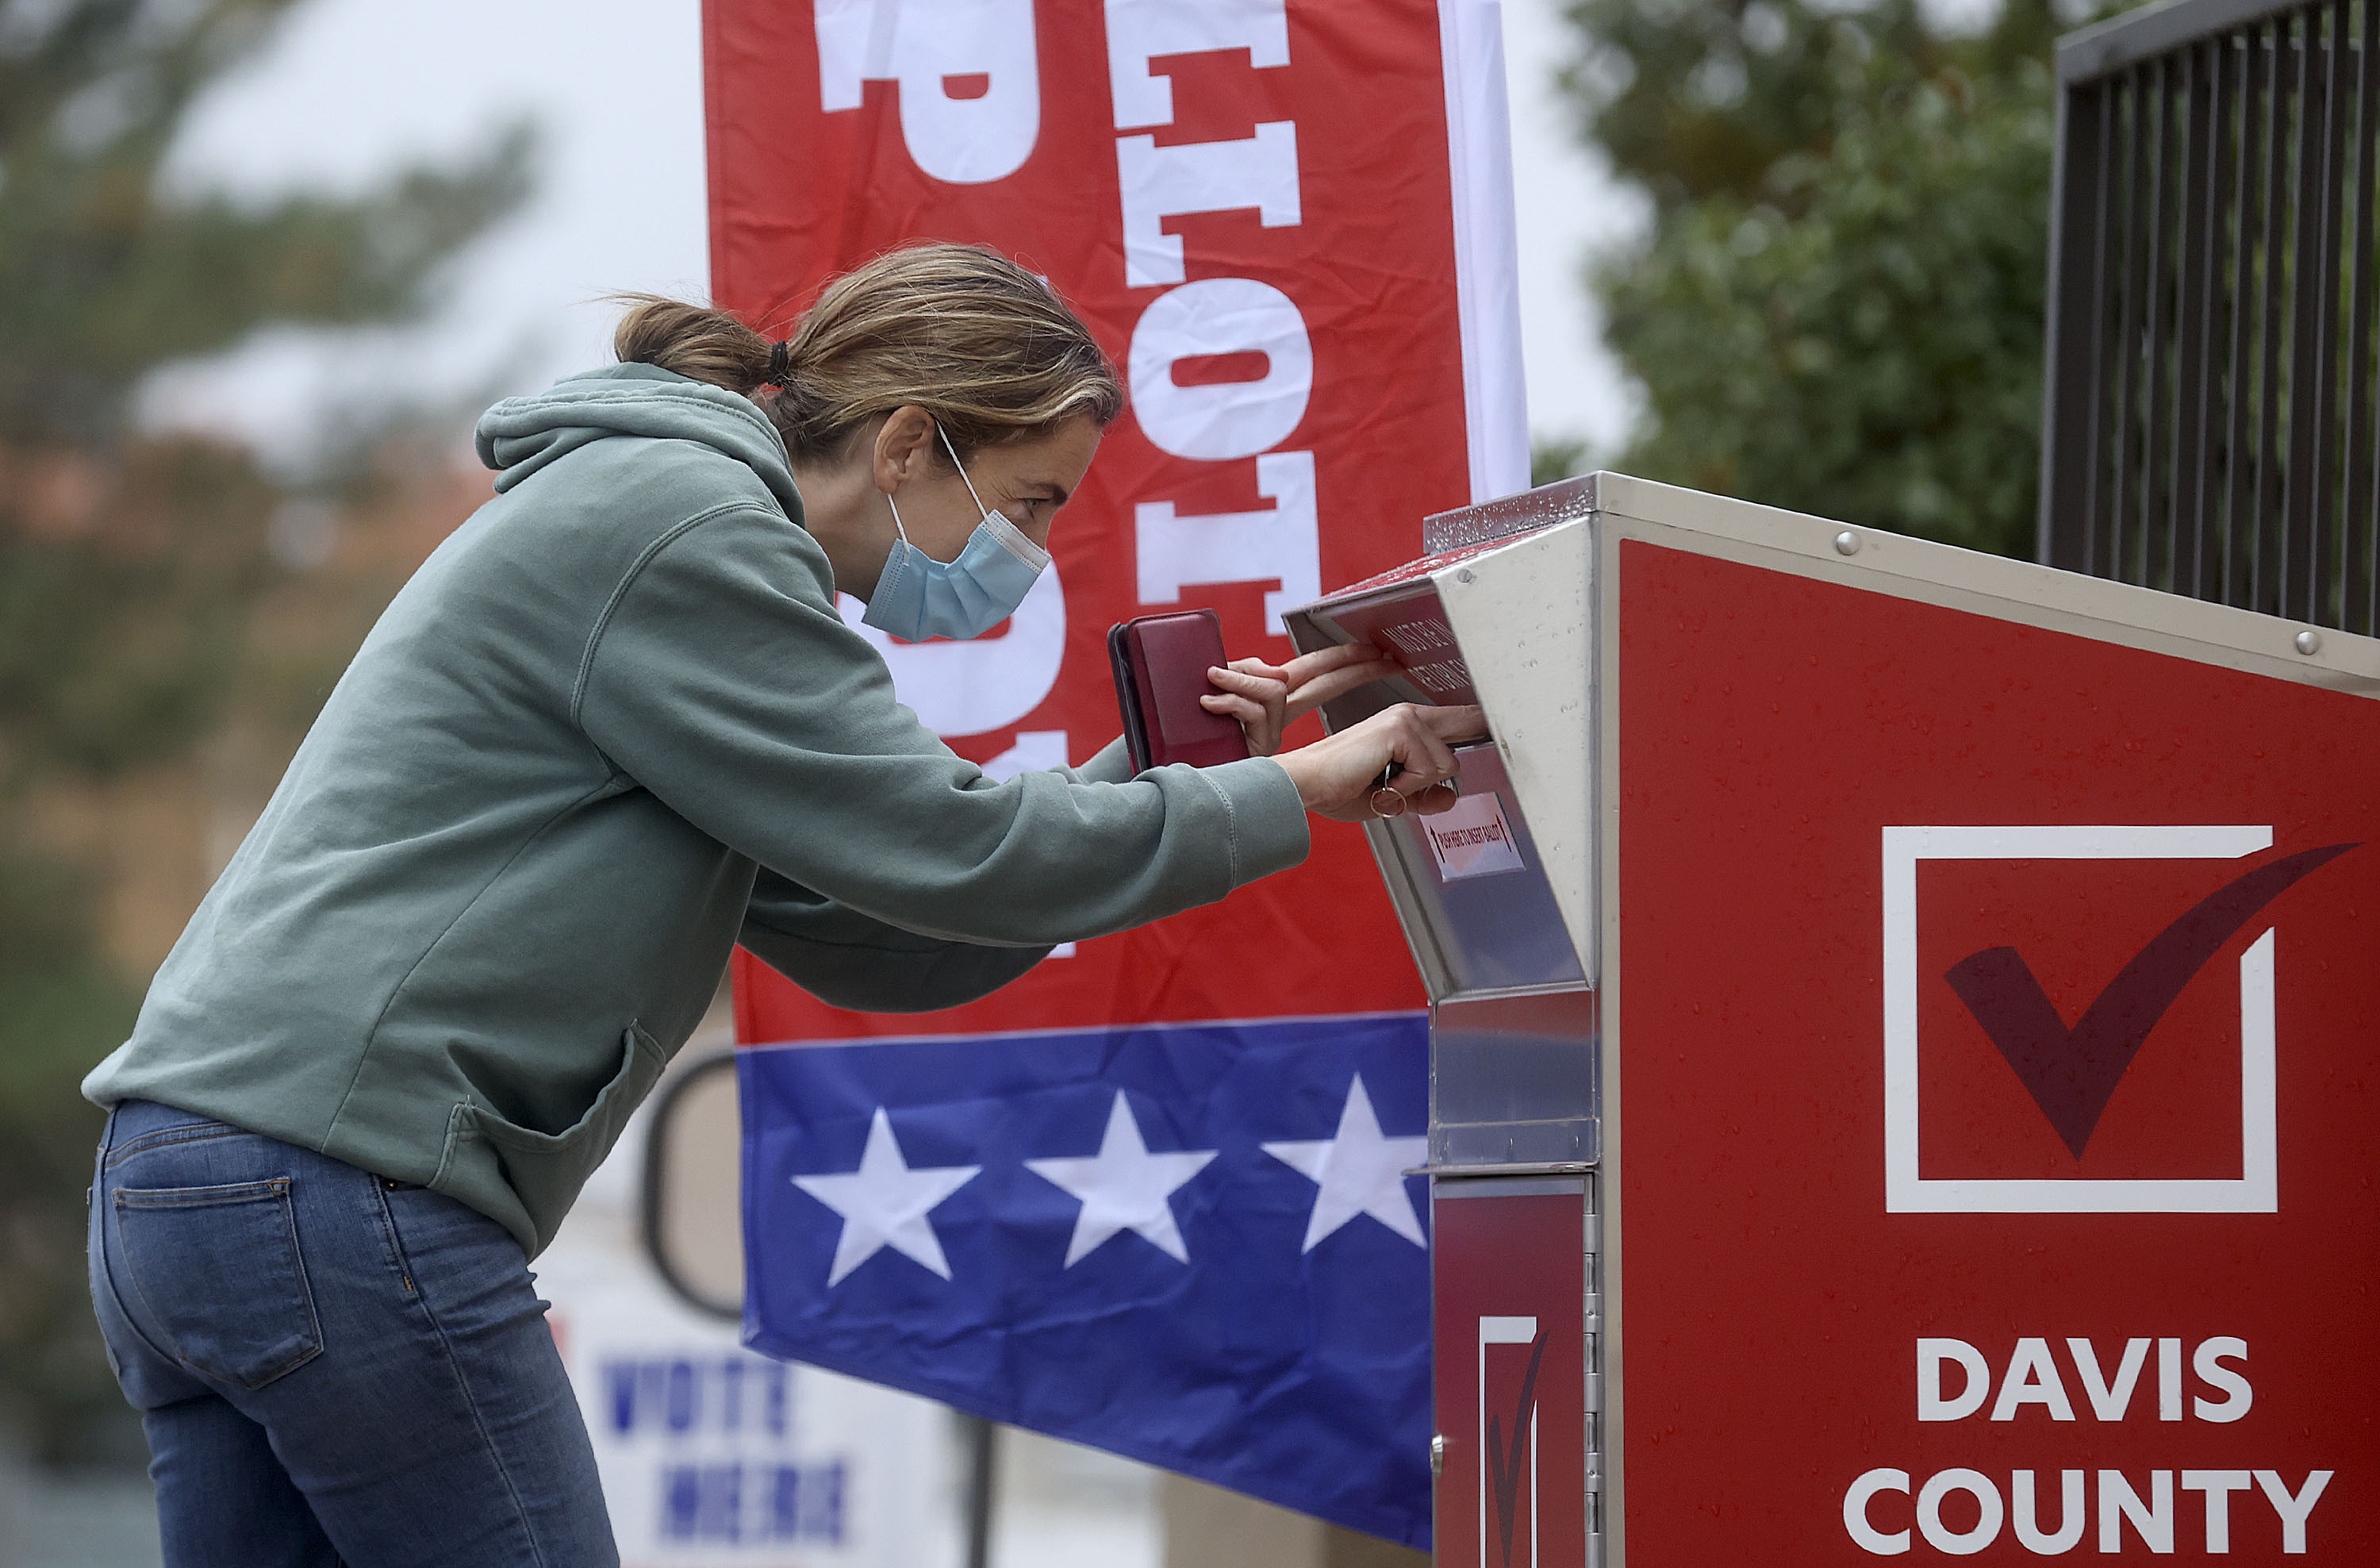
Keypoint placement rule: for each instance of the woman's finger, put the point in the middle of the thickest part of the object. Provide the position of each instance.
(1319, 690)
(1231, 706)
(1314, 678)
(1438, 797)
(1257, 682)
(1321, 661)
(1423, 759)
(1257, 689)
(1254, 682)
(1455, 722)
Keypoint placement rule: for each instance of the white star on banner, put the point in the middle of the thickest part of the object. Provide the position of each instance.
(1358, 1172)
(884, 1203)
(1124, 1187)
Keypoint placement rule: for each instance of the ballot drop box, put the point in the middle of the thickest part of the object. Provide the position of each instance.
(1905, 1057)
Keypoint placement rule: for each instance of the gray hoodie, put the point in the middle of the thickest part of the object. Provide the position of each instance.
(611, 725)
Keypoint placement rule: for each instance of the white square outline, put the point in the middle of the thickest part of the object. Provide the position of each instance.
(2257, 1190)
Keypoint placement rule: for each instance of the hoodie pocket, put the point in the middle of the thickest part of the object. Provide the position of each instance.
(548, 1169)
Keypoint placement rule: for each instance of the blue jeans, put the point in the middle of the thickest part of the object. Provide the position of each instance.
(332, 1369)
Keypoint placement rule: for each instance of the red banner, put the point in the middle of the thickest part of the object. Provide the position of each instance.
(1288, 222)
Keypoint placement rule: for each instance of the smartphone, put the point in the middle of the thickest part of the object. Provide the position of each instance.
(1161, 664)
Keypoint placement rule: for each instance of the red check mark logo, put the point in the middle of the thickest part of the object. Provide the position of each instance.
(2072, 1072)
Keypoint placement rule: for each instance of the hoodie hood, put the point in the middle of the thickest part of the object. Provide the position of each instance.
(521, 435)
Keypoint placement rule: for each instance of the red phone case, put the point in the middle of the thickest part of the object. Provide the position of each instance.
(1161, 665)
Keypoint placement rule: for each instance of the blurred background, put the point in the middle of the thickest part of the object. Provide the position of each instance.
(261, 262)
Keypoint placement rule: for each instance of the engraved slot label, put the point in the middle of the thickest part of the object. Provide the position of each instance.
(1431, 660)
(1418, 636)
(1443, 678)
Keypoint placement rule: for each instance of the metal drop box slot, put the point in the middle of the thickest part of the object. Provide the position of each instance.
(1497, 896)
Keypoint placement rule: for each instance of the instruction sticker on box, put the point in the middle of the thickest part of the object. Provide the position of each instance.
(1471, 838)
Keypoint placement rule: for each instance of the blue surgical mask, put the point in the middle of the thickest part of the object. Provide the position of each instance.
(918, 597)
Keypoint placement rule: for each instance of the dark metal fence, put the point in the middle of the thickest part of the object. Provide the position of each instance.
(2213, 423)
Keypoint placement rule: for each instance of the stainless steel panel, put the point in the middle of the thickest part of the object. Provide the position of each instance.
(1515, 1080)
(1496, 929)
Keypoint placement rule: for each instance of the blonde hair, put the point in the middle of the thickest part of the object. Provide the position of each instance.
(959, 331)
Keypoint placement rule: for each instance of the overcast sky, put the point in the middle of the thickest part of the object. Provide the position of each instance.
(351, 89)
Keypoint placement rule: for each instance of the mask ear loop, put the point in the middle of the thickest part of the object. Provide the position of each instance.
(1012, 539)
(896, 511)
(953, 451)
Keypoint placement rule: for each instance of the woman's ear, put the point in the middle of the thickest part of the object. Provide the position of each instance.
(903, 446)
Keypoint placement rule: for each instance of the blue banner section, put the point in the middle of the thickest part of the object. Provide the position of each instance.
(1191, 1243)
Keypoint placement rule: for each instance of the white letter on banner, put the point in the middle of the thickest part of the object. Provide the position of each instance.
(923, 43)
(969, 687)
(2109, 1398)
(1932, 1403)
(1226, 420)
(1940, 1537)
(2026, 1516)
(2294, 1510)
(2207, 1361)
(2218, 1486)
(1200, 176)
(1865, 1535)
(2032, 1378)
(1141, 31)
(1285, 543)
(2119, 1502)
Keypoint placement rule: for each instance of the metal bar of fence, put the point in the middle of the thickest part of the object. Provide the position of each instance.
(2156, 526)
(2267, 591)
(2359, 518)
(2214, 573)
(2350, 163)
(2130, 309)
(2123, 179)
(2334, 66)
(2240, 537)
(2328, 349)
(2196, 319)
(2124, 265)
(2074, 358)
(2108, 445)
(2307, 274)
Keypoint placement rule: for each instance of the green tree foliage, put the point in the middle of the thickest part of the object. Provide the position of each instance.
(129, 565)
(1837, 304)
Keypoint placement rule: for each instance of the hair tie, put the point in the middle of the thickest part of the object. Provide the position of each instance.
(781, 355)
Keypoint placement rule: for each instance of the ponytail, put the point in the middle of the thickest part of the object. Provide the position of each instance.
(692, 341)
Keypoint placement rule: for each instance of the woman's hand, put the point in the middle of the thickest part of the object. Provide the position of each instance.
(1406, 747)
(1266, 698)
